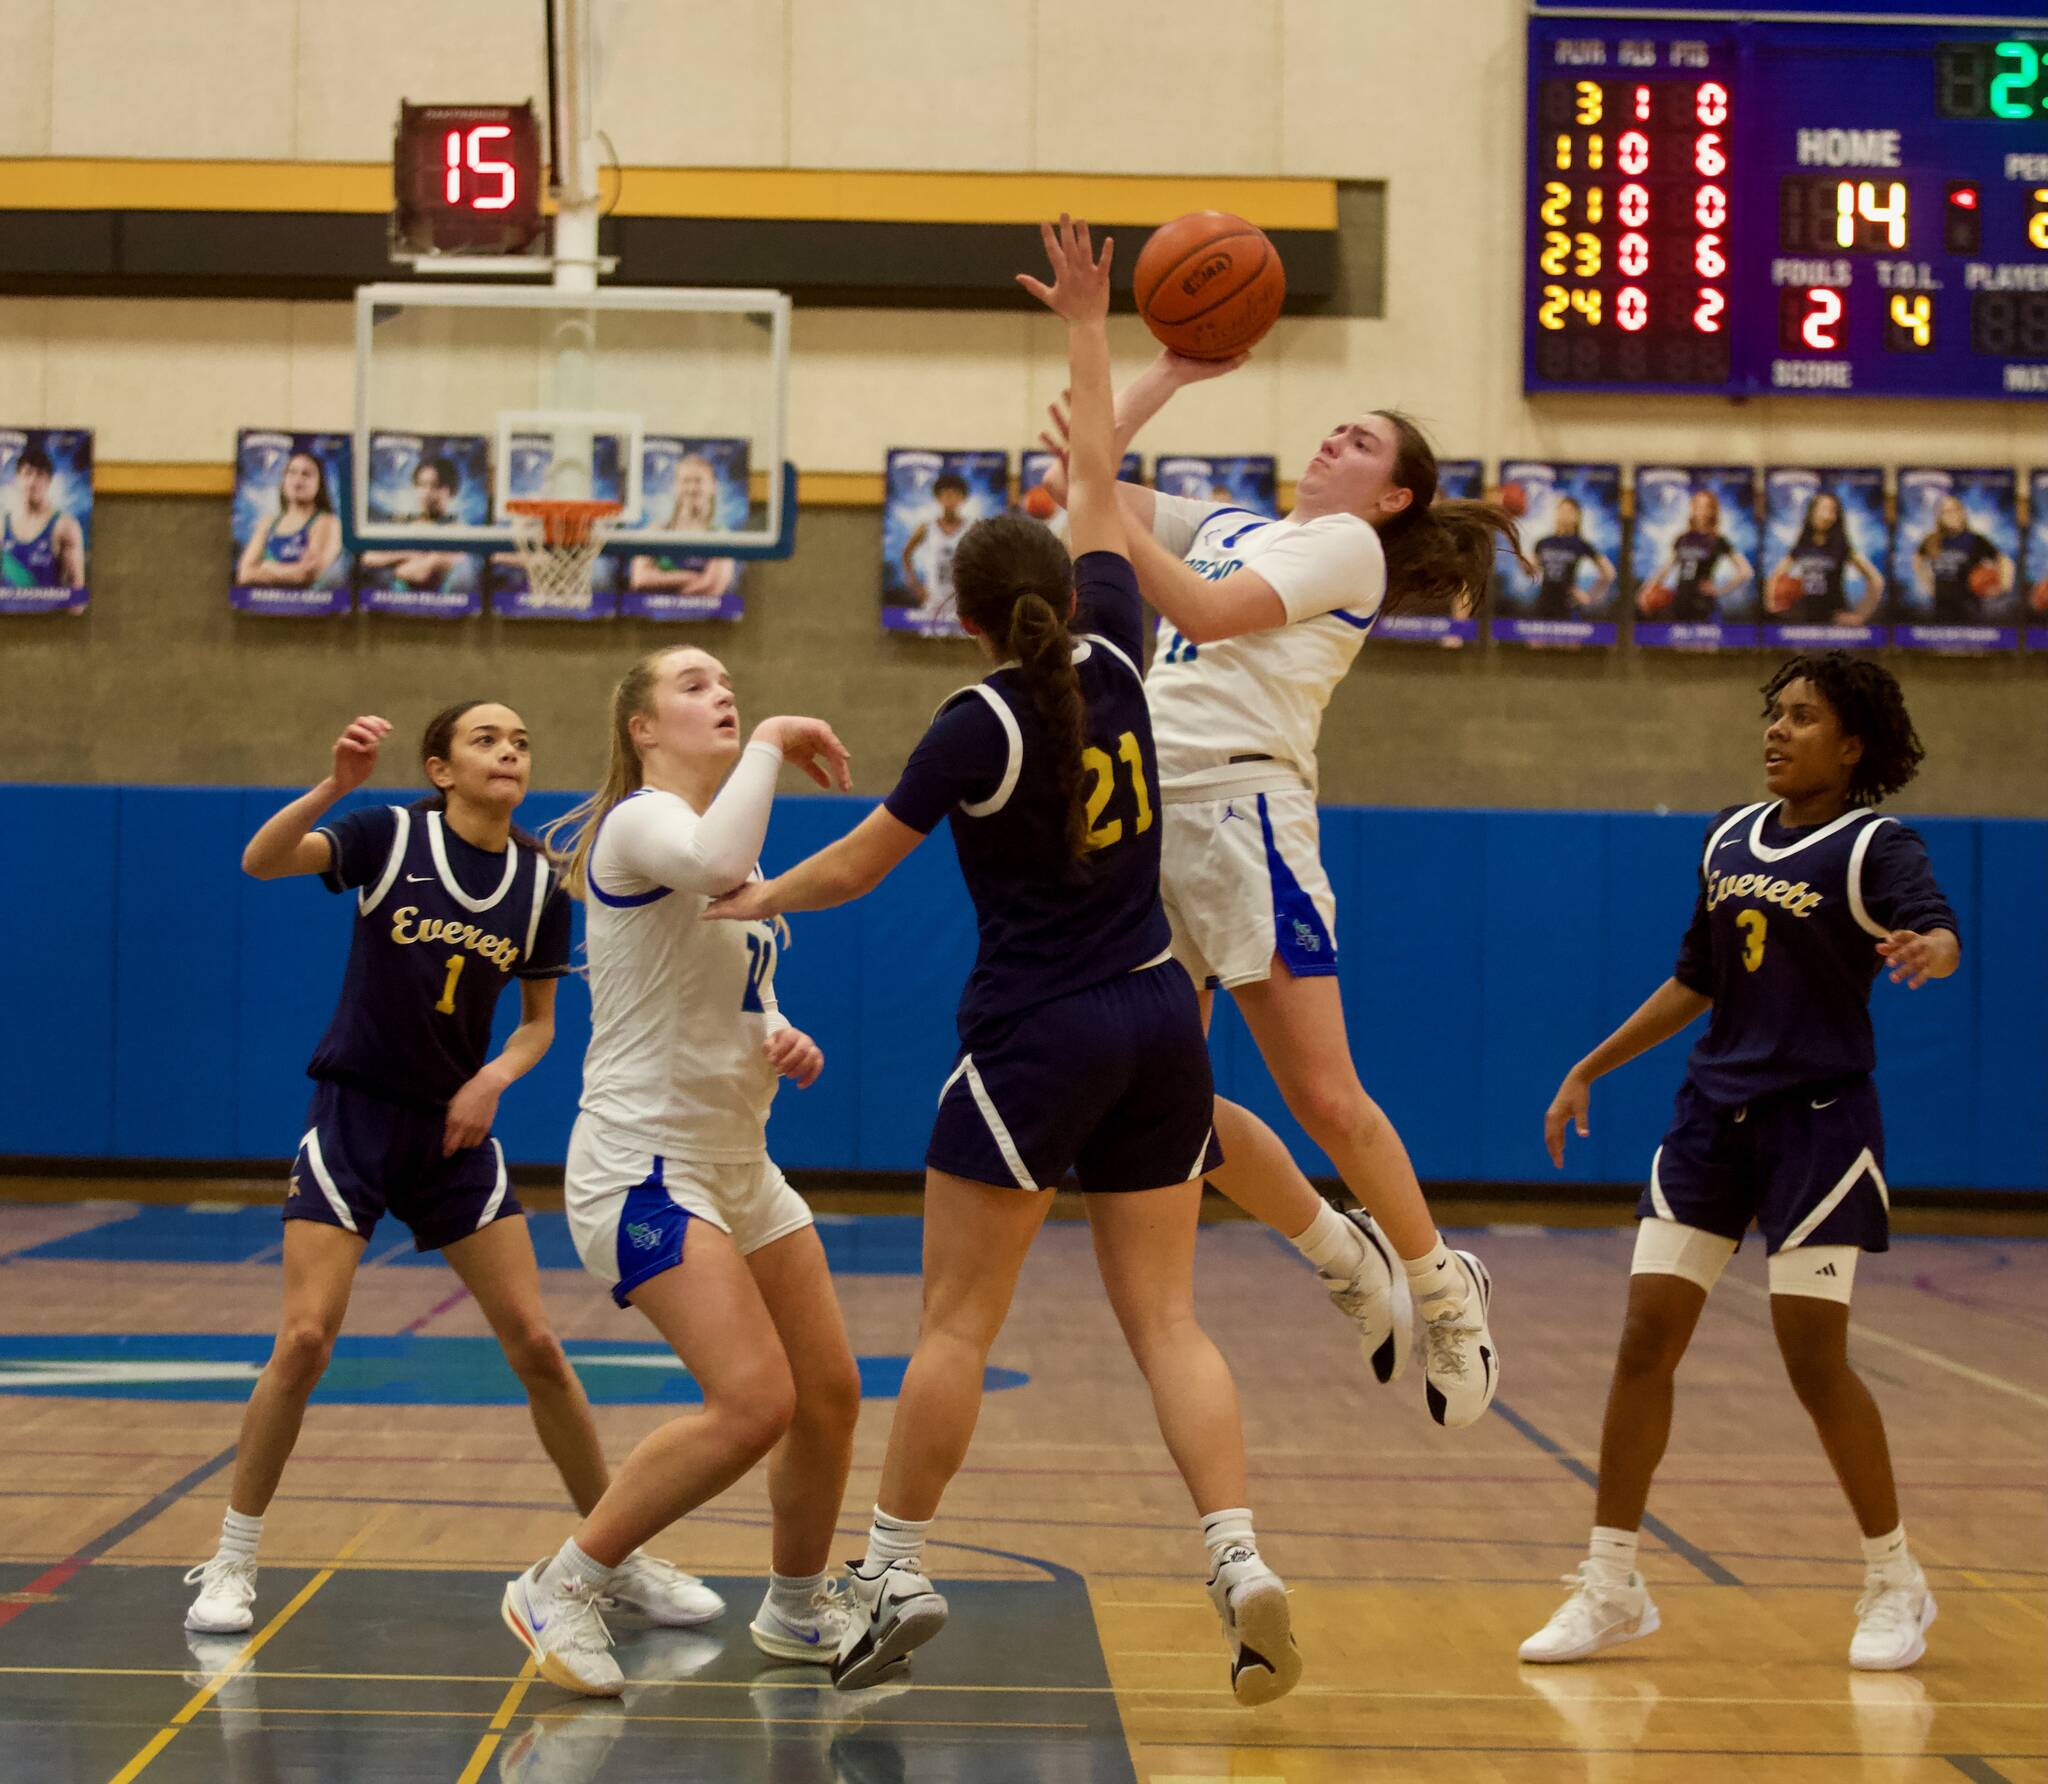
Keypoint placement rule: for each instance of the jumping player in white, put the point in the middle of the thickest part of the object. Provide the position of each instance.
(1081, 1043)
(1260, 620)
(672, 1198)
(452, 904)
(1804, 898)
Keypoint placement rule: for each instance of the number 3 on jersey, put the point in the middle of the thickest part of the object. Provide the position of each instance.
(1754, 930)
(1103, 772)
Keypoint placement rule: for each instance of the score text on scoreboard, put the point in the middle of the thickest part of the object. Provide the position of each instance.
(1774, 206)
(466, 179)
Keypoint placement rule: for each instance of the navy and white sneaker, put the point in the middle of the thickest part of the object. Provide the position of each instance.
(887, 1615)
(1251, 1601)
(813, 1635)
(1377, 1301)
(1459, 1358)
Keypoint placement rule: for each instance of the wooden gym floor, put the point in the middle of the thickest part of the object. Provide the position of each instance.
(1082, 1646)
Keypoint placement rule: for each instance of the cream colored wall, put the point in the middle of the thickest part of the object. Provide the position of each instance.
(1425, 97)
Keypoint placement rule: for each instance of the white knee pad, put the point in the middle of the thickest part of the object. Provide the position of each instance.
(1670, 1248)
(1820, 1272)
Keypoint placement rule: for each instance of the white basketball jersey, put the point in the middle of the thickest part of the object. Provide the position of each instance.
(940, 546)
(1261, 694)
(679, 1009)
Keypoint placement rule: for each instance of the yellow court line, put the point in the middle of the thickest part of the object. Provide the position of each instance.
(1932, 1358)
(752, 1721)
(2019, 1604)
(499, 1723)
(199, 1700)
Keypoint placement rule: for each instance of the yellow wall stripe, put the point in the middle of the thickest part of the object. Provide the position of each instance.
(776, 193)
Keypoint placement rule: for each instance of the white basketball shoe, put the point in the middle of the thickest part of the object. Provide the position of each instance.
(661, 1592)
(1458, 1353)
(1252, 1604)
(227, 1595)
(1600, 1613)
(1376, 1299)
(1892, 1619)
(564, 1632)
(887, 1615)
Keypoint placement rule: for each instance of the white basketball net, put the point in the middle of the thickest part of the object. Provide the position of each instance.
(559, 553)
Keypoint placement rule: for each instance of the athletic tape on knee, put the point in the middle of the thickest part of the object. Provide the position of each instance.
(1670, 1248)
(1820, 1272)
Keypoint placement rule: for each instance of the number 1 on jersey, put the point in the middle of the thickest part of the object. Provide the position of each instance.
(1754, 928)
(456, 963)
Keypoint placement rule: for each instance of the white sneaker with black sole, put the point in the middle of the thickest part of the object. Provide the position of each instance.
(1458, 1355)
(811, 1635)
(564, 1632)
(1892, 1619)
(1251, 1601)
(887, 1615)
(1600, 1613)
(1377, 1301)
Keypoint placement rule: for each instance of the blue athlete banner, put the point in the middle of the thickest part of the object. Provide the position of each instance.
(1251, 480)
(2036, 571)
(1570, 519)
(1032, 469)
(290, 489)
(427, 480)
(1692, 557)
(1824, 537)
(1457, 480)
(45, 518)
(511, 594)
(1955, 561)
(929, 499)
(687, 485)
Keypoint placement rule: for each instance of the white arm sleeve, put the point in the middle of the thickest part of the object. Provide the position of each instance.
(1330, 562)
(1177, 519)
(664, 843)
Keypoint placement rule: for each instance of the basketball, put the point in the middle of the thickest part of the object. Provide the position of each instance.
(1209, 285)
(1783, 593)
(1038, 502)
(1515, 499)
(1984, 581)
(1657, 597)
(2038, 600)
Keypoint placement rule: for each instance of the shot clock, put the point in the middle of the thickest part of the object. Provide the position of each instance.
(1744, 206)
(466, 179)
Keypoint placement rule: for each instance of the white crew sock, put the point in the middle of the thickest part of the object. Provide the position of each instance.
(894, 1539)
(239, 1535)
(1613, 1553)
(571, 1564)
(1225, 1530)
(1888, 1553)
(1332, 1244)
(792, 1593)
(1435, 1280)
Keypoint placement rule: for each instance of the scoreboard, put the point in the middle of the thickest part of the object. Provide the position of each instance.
(1742, 206)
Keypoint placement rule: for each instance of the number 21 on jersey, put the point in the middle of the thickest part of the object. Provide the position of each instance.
(1102, 772)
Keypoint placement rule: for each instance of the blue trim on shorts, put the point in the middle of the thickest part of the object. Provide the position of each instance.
(652, 1228)
(1300, 936)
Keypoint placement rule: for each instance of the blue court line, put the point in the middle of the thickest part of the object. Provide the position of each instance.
(1979, 1771)
(1662, 1531)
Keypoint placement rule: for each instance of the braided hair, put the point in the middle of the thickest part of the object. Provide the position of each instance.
(1868, 701)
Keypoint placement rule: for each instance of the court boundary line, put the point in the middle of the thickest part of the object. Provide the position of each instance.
(507, 1708)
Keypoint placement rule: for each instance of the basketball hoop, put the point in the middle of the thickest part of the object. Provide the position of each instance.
(558, 541)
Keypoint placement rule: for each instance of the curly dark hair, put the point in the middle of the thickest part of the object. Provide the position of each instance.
(1866, 697)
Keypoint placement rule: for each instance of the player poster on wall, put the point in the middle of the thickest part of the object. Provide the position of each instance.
(511, 597)
(1249, 481)
(290, 489)
(1570, 520)
(1692, 557)
(929, 499)
(1032, 467)
(1457, 480)
(2036, 570)
(1955, 561)
(45, 518)
(1824, 537)
(427, 480)
(694, 485)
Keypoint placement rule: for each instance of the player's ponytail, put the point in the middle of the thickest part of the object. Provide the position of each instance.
(571, 835)
(1014, 583)
(1441, 552)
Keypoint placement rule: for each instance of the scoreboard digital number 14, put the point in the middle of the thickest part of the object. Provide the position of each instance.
(1750, 207)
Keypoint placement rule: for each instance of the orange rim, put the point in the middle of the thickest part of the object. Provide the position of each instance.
(563, 521)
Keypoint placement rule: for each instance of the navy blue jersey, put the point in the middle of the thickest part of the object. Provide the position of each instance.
(1950, 559)
(1050, 926)
(1558, 559)
(440, 926)
(1784, 940)
(1695, 558)
(1822, 565)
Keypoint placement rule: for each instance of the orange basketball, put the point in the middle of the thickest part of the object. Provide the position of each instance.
(1515, 499)
(1984, 581)
(1038, 502)
(1657, 597)
(1784, 593)
(1209, 285)
(2038, 600)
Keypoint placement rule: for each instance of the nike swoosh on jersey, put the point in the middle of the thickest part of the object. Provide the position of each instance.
(1829, 1104)
(418, 879)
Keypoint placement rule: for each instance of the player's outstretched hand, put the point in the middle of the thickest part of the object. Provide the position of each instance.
(470, 1114)
(751, 903)
(1572, 1105)
(795, 1056)
(355, 751)
(1079, 291)
(813, 746)
(1183, 371)
(1915, 958)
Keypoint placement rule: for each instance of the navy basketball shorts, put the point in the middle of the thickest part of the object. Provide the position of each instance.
(1806, 1165)
(365, 1154)
(1112, 1083)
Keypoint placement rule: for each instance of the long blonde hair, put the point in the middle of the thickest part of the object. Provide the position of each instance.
(571, 835)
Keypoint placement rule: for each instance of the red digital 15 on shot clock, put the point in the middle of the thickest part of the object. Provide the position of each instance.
(467, 179)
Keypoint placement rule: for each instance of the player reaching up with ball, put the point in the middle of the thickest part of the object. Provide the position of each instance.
(1081, 1045)
(1259, 621)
